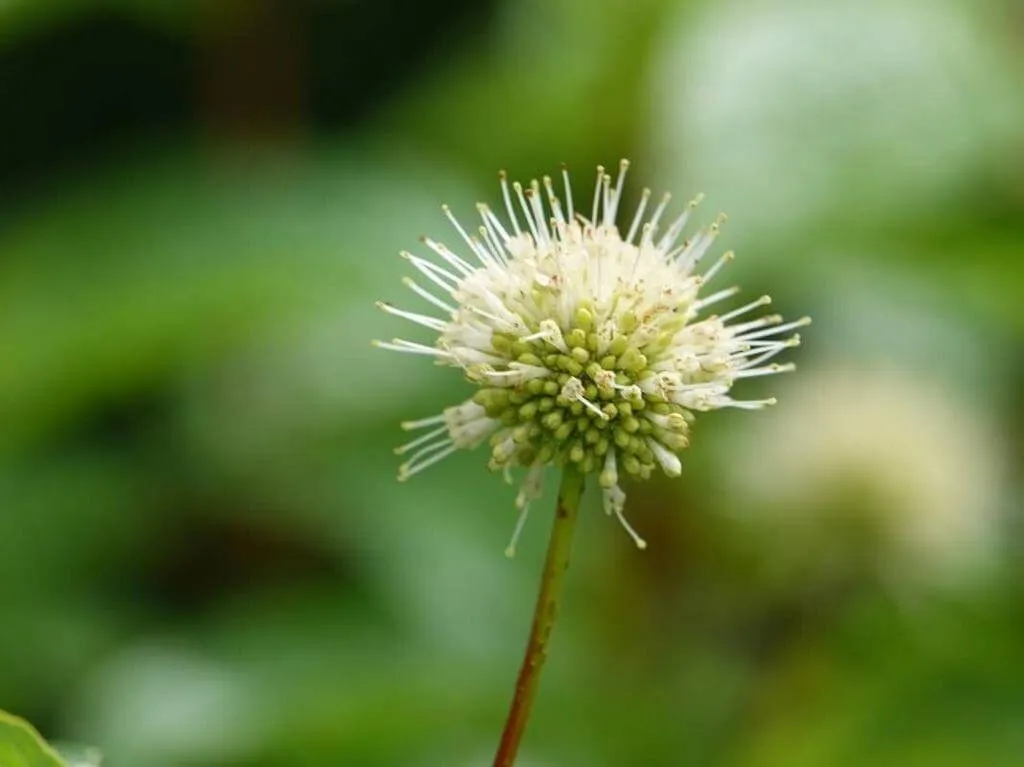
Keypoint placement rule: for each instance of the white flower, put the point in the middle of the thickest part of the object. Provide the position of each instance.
(590, 347)
(905, 460)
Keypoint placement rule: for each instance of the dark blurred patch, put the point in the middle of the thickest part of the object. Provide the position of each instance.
(82, 87)
(102, 79)
(209, 558)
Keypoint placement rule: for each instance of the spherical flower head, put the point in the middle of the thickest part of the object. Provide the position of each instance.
(589, 347)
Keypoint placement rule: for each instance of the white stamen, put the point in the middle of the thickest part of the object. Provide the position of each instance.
(423, 422)
(644, 197)
(420, 319)
(614, 501)
(420, 440)
(508, 203)
(405, 470)
(780, 329)
(762, 301)
(401, 345)
(427, 295)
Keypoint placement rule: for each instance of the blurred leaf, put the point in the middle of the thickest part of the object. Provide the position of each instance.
(145, 269)
(20, 16)
(566, 80)
(22, 746)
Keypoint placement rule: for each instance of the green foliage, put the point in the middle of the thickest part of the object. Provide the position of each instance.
(202, 543)
(22, 746)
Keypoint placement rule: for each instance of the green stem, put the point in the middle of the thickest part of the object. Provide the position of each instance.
(555, 565)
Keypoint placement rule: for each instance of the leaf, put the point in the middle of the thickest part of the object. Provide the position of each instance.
(158, 265)
(22, 746)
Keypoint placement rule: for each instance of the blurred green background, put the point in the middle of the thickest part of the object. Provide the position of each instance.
(205, 560)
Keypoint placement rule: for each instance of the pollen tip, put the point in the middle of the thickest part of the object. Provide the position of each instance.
(804, 321)
(771, 401)
(729, 255)
(510, 551)
(641, 544)
(405, 254)
(624, 163)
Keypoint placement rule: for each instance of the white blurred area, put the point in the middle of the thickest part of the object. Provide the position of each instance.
(878, 464)
(794, 114)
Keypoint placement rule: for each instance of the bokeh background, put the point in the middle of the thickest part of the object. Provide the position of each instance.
(205, 560)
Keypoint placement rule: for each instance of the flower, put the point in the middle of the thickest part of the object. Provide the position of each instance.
(910, 465)
(588, 347)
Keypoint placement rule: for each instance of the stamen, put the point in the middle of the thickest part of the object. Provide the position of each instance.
(762, 301)
(423, 422)
(699, 247)
(401, 345)
(526, 210)
(493, 222)
(715, 267)
(444, 252)
(780, 347)
(679, 224)
(765, 371)
(508, 202)
(568, 193)
(510, 550)
(613, 209)
(652, 225)
(573, 390)
(429, 449)
(597, 194)
(780, 329)
(434, 273)
(533, 196)
(553, 201)
(427, 295)
(756, 404)
(473, 245)
(668, 460)
(420, 319)
(614, 501)
(738, 330)
(405, 470)
(644, 197)
(714, 298)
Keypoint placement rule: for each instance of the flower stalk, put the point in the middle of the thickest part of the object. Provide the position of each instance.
(544, 614)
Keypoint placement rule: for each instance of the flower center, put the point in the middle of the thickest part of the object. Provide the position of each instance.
(587, 402)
